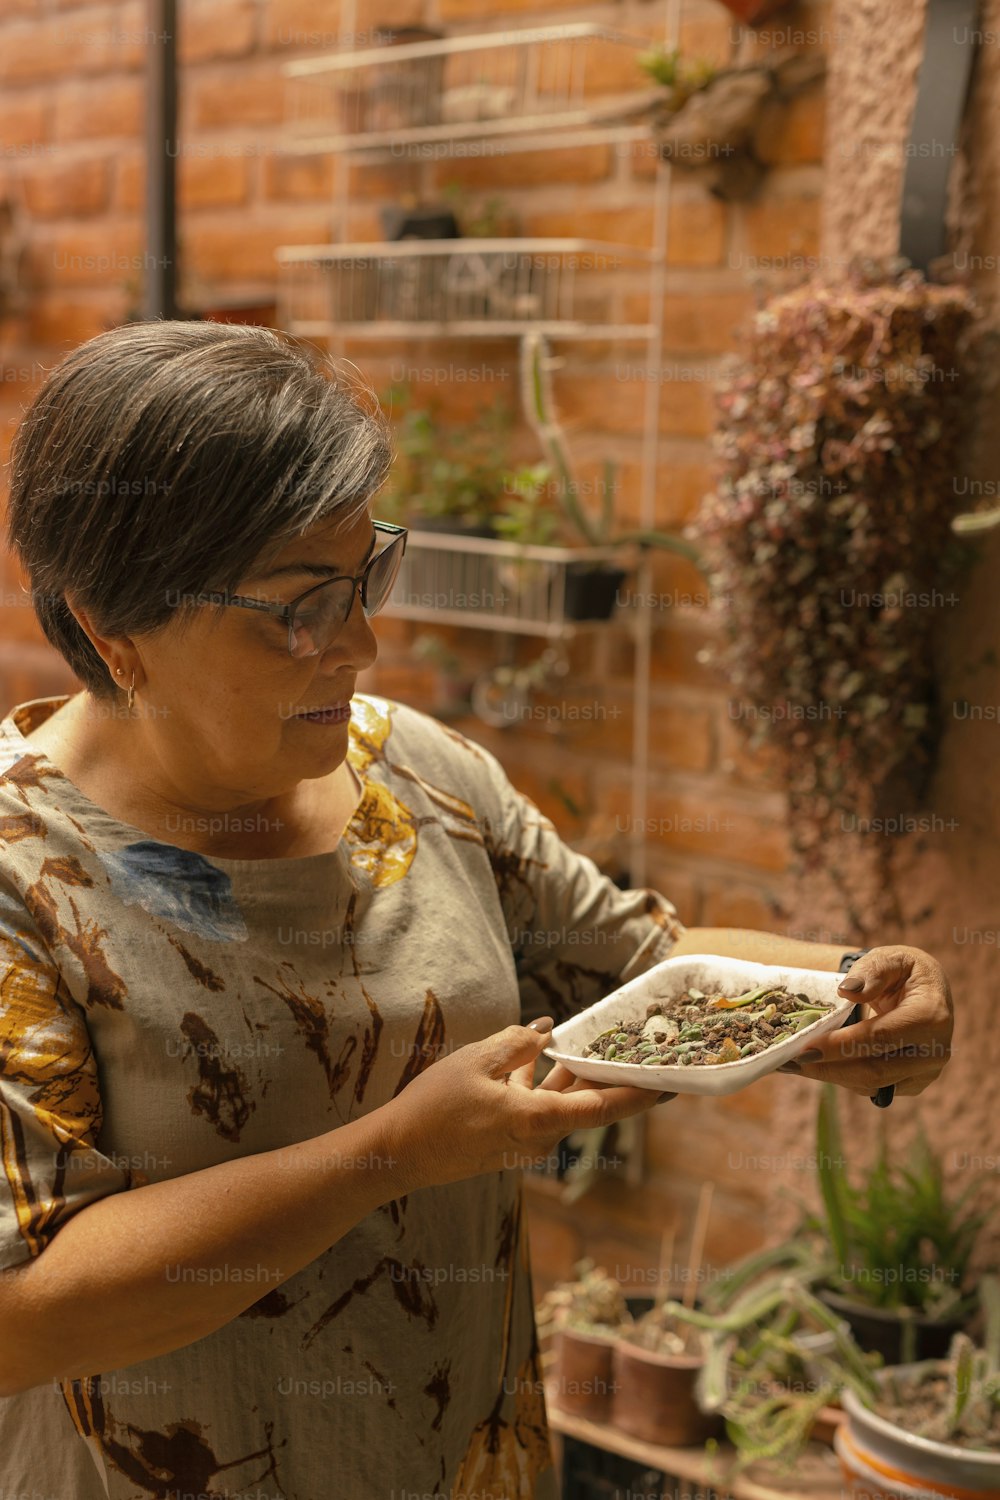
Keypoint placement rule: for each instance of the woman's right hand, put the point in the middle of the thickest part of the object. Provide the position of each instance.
(476, 1110)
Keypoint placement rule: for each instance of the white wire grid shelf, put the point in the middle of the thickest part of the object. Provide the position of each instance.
(464, 287)
(476, 581)
(427, 95)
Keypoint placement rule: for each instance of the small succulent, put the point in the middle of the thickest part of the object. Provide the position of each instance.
(594, 1303)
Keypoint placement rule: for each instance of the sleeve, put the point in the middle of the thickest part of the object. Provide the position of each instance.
(575, 935)
(50, 1102)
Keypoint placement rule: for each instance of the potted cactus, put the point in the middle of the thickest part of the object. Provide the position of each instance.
(932, 1426)
(655, 1369)
(901, 1246)
(657, 1361)
(584, 1318)
(591, 587)
(776, 1358)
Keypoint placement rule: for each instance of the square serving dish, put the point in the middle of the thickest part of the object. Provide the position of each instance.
(707, 973)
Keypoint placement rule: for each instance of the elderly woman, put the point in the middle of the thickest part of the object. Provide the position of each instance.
(265, 1082)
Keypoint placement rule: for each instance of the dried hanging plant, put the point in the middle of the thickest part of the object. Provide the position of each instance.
(829, 534)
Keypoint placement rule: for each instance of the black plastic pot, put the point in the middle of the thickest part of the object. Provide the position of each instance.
(881, 1329)
(591, 592)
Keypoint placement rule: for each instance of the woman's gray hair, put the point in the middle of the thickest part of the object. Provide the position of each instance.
(164, 460)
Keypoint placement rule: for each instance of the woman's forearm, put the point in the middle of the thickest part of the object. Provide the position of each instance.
(759, 947)
(143, 1272)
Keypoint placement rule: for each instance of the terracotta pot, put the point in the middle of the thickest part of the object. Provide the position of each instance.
(753, 11)
(653, 1397)
(583, 1377)
(880, 1459)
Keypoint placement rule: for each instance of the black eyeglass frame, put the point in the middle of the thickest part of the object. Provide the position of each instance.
(286, 612)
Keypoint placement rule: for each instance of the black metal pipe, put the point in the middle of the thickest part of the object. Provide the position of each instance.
(160, 290)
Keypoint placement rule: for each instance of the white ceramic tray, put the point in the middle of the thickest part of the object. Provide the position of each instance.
(708, 973)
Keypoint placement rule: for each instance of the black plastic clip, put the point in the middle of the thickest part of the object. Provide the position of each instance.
(887, 1092)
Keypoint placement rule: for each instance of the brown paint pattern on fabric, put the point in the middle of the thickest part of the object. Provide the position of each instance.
(507, 1237)
(313, 1025)
(369, 1050)
(30, 773)
(439, 1390)
(412, 1293)
(221, 1093)
(426, 1044)
(104, 986)
(17, 826)
(199, 971)
(161, 1464)
(510, 870)
(505, 1456)
(390, 1401)
(273, 1304)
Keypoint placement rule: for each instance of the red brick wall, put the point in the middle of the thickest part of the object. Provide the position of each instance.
(71, 100)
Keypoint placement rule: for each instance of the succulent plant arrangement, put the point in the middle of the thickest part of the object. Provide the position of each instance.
(775, 1354)
(695, 1029)
(829, 532)
(957, 1400)
(594, 1303)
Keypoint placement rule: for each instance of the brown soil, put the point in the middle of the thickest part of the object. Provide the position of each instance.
(920, 1404)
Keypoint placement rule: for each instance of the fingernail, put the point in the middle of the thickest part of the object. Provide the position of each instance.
(790, 1067)
(542, 1023)
(855, 984)
(813, 1055)
(665, 1096)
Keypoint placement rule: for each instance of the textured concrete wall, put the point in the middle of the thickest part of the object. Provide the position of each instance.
(947, 880)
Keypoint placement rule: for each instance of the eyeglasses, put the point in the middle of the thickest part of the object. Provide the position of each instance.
(317, 617)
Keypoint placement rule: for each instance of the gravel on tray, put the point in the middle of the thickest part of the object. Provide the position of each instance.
(697, 1030)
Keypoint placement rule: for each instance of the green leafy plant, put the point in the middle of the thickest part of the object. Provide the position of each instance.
(526, 515)
(486, 218)
(829, 535)
(678, 76)
(455, 472)
(899, 1241)
(775, 1355)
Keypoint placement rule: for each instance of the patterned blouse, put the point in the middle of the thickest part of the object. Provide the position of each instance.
(161, 1012)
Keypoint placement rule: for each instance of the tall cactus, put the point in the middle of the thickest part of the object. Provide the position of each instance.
(538, 401)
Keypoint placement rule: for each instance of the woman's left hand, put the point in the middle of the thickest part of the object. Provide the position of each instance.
(906, 1042)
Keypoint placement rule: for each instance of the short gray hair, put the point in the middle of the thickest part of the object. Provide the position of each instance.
(168, 459)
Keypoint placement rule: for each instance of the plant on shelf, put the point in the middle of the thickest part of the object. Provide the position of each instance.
(950, 1406)
(901, 1246)
(776, 1356)
(591, 585)
(446, 478)
(489, 218)
(839, 434)
(593, 1303)
(726, 124)
(583, 1318)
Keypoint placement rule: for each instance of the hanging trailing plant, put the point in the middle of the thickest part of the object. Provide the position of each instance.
(829, 532)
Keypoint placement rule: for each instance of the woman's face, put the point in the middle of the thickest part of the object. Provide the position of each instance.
(218, 704)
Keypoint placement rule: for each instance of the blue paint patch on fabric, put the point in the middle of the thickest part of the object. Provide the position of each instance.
(183, 887)
(12, 934)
